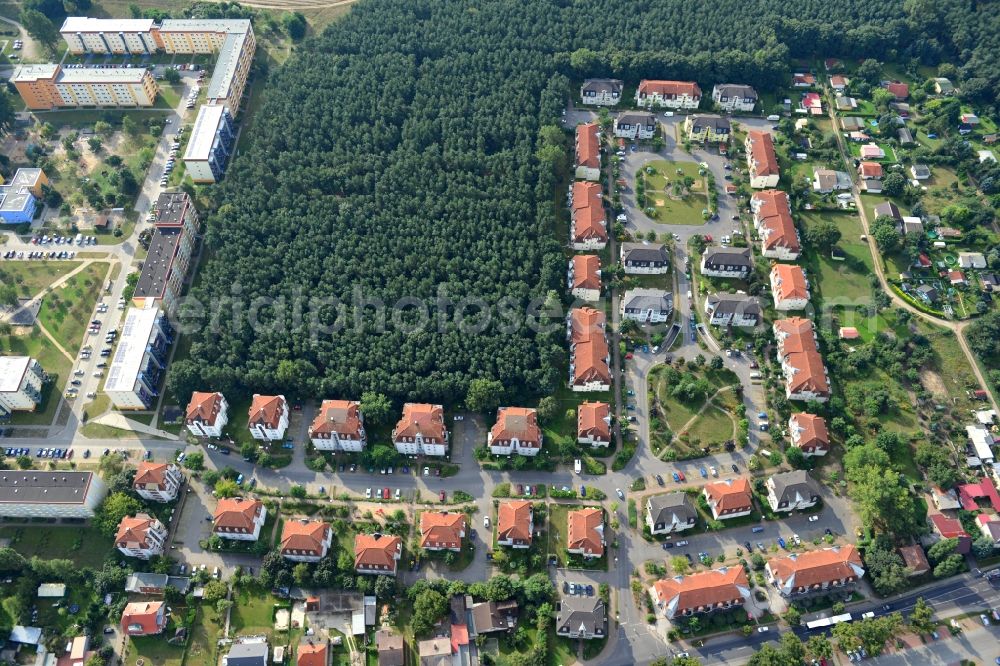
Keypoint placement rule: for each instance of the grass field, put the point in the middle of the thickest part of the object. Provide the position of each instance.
(37, 346)
(840, 282)
(253, 613)
(713, 426)
(205, 634)
(32, 277)
(81, 543)
(562, 428)
(64, 312)
(154, 650)
(661, 194)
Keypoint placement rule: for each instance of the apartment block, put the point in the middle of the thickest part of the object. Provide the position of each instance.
(50, 494)
(212, 141)
(169, 257)
(118, 36)
(21, 379)
(140, 359)
(49, 86)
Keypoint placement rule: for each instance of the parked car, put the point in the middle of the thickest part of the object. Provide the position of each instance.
(443, 496)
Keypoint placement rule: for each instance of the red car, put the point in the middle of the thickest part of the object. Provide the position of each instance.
(681, 474)
(708, 238)
(628, 355)
(385, 493)
(443, 496)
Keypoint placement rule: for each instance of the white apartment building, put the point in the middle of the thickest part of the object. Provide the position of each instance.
(140, 536)
(139, 360)
(119, 36)
(339, 426)
(21, 379)
(268, 417)
(158, 482)
(50, 494)
(207, 414)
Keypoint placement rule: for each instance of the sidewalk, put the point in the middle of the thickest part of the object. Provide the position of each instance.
(115, 420)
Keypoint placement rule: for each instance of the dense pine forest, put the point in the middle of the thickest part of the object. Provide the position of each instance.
(404, 150)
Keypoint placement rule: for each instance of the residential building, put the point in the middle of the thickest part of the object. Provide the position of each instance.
(974, 260)
(926, 293)
(730, 498)
(248, 652)
(698, 593)
(155, 584)
(870, 170)
(515, 524)
(839, 82)
(871, 185)
(421, 430)
(588, 152)
(312, 652)
(762, 161)
(852, 123)
(601, 92)
(211, 144)
(812, 104)
(733, 310)
(946, 527)
(981, 441)
(647, 306)
(435, 652)
(905, 136)
(845, 103)
(707, 128)
(588, 223)
(584, 277)
(19, 198)
(157, 482)
(805, 375)
(635, 125)
(21, 379)
(899, 90)
(888, 209)
(989, 526)
(734, 97)
(828, 180)
(207, 414)
(140, 536)
(726, 262)
(239, 518)
(772, 218)
(872, 151)
(442, 530)
(920, 171)
(585, 532)
(789, 491)
(645, 258)
(943, 86)
(305, 540)
(108, 36)
(27, 494)
(166, 265)
(669, 513)
(593, 424)
(493, 616)
(45, 87)
(590, 356)
(803, 80)
(377, 554)
(915, 560)
(816, 572)
(655, 94)
(957, 278)
(789, 287)
(515, 431)
(339, 426)
(808, 433)
(268, 417)
(582, 617)
(391, 648)
(144, 618)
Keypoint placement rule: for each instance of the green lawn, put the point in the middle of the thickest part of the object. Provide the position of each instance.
(154, 650)
(205, 634)
(37, 346)
(839, 282)
(31, 277)
(661, 195)
(558, 537)
(64, 312)
(561, 431)
(713, 426)
(890, 153)
(81, 543)
(253, 613)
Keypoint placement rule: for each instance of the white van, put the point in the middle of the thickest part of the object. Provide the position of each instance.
(774, 117)
(577, 466)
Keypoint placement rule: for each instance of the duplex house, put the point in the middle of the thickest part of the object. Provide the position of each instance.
(207, 414)
(515, 524)
(762, 161)
(705, 592)
(377, 554)
(816, 572)
(239, 518)
(157, 482)
(805, 375)
(726, 262)
(581, 617)
(305, 540)
(442, 530)
(789, 491)
(635, 125)
(829, 180)
(669, 513)
(584, 277)
(268, 417)
(772, 217)
(588, 223)
(808, 432)
(140, 536)
(515, 431)
(144, 618)
(645, 258)
(589, 368)
(588, 152)
(734, 97)
(789, 287)
(601, 92)
(647, 306)
(421, 430)
(733, 310)
(593, 424)
(585, 532)
(655, 94)
(731, 498)
(706, 128)
(339, 426)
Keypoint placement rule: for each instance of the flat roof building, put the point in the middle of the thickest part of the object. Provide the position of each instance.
(124, 36)
(21, 379)
(51, 86)
(140, 359)
(169, 255)
(210, 145)
(50, 494)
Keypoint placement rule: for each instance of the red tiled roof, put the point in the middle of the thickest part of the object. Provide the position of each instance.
(848, 333)
(588, 212)
(812, 431)
(702, 590)
(237, 514)
(764, 159)
(338, 416)
(789, 281)
(590, 346)
(838, 81)
(312, 654)
(816, 567)
(514, 521)
(304, 535)
(773, 215)
(899, 90)
(133, 530)
(797, 347)
(427, 420)
(266, 410)
(204, 407)
(731, 495)
(585, 531)
(441, 529)
(968, 494)
(519, 423)
(586, 271)
(591, 420)
(376, 552)
(870, 170)
(143, 614)
(805, 77)
(588, 148)
(656, 87)
(948, 527)
(151, 474)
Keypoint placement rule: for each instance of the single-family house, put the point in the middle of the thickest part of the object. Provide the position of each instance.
(920, 171)
(789, 491)
(490, 617)
(839, 82)
(789, 287)
(872, 151)
(669, 513)
(845, 103)
(957, 279)
(905, 136)
(870, 170)
(828, 180)
(391, 648)
(888, 209)
(313, 651)
(812, 103)
(803, 80)
(898, 89)
(975, 260)
(989, 527)
(926, 293)
(144, 618)
(915, 560)
(946, 527)
(871, 185)
(251, 651)
(852, 123)
(942, 86)
(912, 225)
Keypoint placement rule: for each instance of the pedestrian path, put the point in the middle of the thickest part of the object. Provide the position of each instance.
(115, 420)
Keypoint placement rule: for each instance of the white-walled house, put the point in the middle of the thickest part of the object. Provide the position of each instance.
(516, 431)
(421, 430)
(239, 518)
(734, 97)
(207, 414)
(268, 417)
(339, 426)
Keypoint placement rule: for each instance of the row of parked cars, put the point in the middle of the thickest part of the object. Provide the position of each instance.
(80, 240)
(38, 254)
(54, 453)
